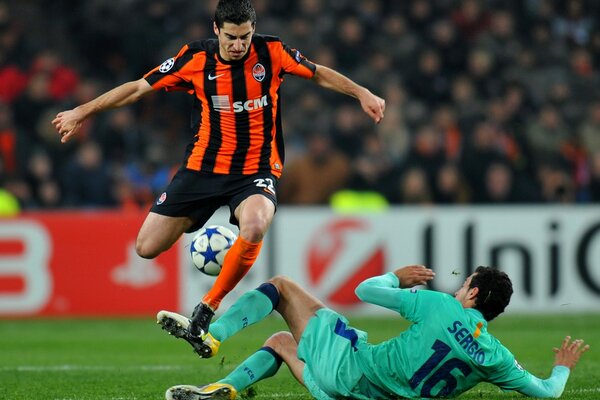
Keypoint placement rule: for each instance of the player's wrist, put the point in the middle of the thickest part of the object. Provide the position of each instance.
(562, 364)
(398, 280)
(84, 110)
(362, 92)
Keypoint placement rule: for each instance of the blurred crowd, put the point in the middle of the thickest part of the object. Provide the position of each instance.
(487, 101)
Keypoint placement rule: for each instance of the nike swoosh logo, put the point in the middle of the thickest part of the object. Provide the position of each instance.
(213, 77)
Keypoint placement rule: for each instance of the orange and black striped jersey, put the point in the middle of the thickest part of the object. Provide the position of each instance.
(236, 113)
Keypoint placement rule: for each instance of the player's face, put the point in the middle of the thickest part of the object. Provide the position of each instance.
(462, 293)
(234, 40)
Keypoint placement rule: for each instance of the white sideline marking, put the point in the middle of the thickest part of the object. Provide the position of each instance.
(63, 368)
(589, 390)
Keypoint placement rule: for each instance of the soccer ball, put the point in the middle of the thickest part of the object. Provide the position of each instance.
(208, 248)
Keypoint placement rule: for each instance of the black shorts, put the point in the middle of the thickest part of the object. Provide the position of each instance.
(198, 195)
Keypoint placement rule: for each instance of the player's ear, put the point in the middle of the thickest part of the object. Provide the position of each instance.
(215, 28)
(472, 293)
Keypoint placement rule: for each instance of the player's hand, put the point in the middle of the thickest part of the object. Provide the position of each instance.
(67, 123)
(569, 352)
(413, 275)
(373, 105)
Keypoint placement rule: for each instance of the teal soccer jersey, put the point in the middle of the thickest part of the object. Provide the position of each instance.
(446, 351)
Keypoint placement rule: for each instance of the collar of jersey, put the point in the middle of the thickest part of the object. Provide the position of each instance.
(478, 314)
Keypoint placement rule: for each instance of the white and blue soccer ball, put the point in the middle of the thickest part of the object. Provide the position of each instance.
(209, 246)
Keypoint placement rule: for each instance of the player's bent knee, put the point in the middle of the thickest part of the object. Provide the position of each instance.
(281, 282)
(144, 250)
(281, 341)
(254, 231)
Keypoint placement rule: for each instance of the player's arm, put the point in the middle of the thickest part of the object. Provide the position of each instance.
(373, 105)
(566, 358)
(68, 122)
(383, 290)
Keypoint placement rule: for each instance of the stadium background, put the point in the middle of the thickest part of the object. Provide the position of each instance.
(489, 153)
(487, 101)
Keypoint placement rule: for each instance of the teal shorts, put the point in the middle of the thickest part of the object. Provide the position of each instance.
(328, 348)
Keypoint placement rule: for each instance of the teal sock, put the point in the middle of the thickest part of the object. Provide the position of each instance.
(251, 307)
(260, 365)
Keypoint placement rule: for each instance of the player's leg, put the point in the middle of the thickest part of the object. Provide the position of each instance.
(159, 232)
(295, 305)
(263, 364)
(284, 344)
(251, 307)
(254, 214)
(185, 205)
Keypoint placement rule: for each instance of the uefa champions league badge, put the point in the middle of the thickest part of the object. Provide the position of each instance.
(258, 72)
(167, 65)
(161, 199)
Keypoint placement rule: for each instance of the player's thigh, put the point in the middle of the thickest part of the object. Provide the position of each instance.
(296, 305)
(253, 203)
(255, 214)
(159, 232)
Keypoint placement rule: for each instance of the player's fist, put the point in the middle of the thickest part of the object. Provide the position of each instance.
(569, 352)
(413, 275)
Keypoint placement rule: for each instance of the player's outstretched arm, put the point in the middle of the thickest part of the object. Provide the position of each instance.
(371, 104)
(68, 122)
(566, 358)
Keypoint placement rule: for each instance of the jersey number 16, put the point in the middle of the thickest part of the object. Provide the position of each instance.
(442, 372)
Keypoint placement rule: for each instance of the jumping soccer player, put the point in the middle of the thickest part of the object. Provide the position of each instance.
(236, 154)
(446, 351)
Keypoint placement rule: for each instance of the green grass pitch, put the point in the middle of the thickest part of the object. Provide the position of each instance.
(132, 359)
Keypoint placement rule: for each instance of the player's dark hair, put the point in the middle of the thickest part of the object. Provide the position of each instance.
(234, 11)
(495, 290)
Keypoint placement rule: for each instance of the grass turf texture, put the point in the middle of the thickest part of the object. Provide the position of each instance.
(133, 359)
